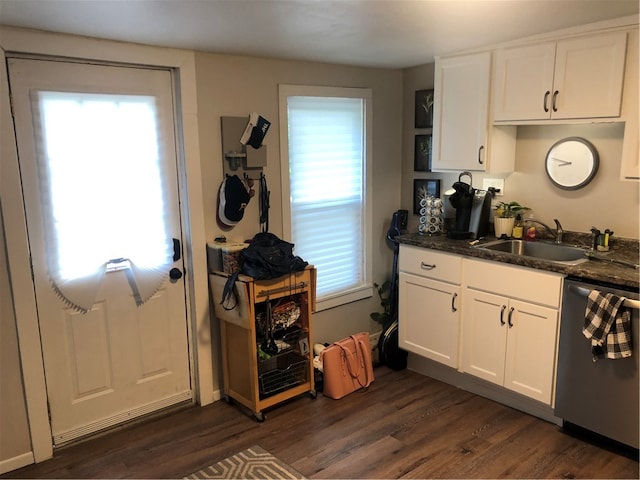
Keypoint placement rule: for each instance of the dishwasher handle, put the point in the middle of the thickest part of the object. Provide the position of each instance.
(584, 292)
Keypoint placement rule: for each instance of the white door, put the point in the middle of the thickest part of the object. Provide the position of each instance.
(112, 323)
(484, 335)
(531, 350)
(429, 318)
(589, 74)
(523, 85)
(461, 106)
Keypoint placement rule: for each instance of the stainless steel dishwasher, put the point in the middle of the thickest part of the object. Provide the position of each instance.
(599, 396)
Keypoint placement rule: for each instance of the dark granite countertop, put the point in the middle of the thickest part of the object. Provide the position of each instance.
(591, 270)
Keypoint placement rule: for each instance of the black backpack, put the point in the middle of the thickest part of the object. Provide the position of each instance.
(266, 257)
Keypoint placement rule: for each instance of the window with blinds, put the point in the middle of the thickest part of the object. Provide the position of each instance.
(325, 186)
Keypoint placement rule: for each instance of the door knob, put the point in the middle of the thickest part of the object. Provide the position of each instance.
(175, 274)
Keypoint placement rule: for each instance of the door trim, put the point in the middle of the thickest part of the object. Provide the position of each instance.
(20, 41)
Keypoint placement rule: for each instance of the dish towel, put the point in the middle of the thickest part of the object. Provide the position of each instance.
(608, 324)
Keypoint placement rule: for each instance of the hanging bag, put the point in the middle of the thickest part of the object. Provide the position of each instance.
(347, 366)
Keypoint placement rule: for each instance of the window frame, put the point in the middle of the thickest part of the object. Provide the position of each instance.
(365, 289)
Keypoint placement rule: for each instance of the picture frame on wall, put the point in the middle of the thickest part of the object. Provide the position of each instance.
(424, 109)
(422, 153)
(423, 187)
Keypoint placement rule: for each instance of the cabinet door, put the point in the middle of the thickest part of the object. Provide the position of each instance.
(484, 334)
(523, 82)
(588, 77)
(428, 318)
(531, 350)
(461, 104)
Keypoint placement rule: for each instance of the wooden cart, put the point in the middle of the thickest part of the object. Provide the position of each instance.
(264, 317)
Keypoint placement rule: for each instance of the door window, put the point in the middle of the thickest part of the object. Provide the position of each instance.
(101, 186)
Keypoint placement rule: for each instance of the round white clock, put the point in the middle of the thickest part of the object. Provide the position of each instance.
(572, 163)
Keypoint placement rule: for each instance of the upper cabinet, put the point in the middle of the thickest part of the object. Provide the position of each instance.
(576, 78)
(462, 136)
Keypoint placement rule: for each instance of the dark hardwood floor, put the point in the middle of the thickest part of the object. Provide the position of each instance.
(404, 426)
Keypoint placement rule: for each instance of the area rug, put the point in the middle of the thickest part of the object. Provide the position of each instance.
(252, 463)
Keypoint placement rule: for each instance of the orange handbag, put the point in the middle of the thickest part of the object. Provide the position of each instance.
(347, 366)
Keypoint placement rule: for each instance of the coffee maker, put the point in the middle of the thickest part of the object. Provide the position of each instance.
(467, 210)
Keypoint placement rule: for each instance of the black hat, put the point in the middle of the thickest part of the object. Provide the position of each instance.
(233, 200)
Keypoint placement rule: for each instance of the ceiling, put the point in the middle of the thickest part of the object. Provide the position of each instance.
(373, 33)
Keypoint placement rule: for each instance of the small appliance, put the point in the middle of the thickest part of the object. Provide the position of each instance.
(467, 210)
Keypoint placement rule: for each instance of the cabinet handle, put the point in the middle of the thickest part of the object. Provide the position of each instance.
(480, 161)
(427, 266)
(509, 318)
(553, 103)
(502, 314)
(544, 103)
(453, 302)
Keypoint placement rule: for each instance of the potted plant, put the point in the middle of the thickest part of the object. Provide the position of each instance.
(505, 217)
(384, 292)
(384, 317)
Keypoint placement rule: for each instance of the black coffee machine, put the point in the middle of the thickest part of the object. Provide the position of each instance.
(467, 210)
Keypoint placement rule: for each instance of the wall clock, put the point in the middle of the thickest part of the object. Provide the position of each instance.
(572, 163)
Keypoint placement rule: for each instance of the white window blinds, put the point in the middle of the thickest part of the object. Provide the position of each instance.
(327, 180)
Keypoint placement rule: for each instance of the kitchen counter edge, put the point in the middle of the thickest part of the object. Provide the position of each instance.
(591, 270)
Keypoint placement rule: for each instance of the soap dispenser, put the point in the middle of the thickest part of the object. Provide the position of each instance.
(517, 227)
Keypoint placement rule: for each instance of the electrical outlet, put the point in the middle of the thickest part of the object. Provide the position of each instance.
(497, 183)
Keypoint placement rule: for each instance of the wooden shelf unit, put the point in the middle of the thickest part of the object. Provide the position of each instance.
(243, 371)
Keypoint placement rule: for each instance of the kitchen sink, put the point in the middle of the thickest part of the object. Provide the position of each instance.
(553, 252)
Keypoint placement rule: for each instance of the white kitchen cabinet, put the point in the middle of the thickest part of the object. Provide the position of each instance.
(429, 310)
(576, 78)
(510, 343)
(630, 163)
(462, 136)
(509, 327)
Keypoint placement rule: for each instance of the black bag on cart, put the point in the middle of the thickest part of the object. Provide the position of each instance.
(267, 257)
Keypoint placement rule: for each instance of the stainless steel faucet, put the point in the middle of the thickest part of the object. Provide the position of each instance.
(557, 233)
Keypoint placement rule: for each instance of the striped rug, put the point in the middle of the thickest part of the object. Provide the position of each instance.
(252, 463)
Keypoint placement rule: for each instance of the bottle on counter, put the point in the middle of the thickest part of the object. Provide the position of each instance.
(530, 233)
(518, 228)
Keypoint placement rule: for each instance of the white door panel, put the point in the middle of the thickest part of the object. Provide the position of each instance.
(122, 358)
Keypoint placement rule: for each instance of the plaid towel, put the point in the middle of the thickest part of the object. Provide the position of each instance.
(608, 324)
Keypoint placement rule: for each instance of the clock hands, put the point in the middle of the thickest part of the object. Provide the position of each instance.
(562, 163)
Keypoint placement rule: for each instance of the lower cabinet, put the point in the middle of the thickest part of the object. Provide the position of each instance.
(491, 320)
(429, 318)
(510, 326)
(510, 343)
(429, 303)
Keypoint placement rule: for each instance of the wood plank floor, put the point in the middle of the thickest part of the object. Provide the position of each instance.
(404, 426)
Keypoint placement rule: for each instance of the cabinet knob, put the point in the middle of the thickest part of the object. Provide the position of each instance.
(509, 317)
(480, 161)
(453, 302)
(427, 266)
(502, 314)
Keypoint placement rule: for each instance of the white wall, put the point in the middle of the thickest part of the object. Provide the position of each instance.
(236, 86)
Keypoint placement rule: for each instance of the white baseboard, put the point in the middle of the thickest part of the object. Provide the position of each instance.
(11, 464)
